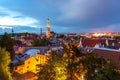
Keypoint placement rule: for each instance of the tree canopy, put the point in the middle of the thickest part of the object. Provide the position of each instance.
(4, 65)
(54, 69)
(41, 42)
(73, 64)
(7, 43)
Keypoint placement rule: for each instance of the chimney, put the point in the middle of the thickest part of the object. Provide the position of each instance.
(107, 44)
(80, 43)
(113, 44)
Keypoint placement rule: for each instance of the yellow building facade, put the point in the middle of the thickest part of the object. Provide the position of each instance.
(29, 65)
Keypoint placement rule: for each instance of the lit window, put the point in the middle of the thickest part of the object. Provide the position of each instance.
(27, 66)
(28, 62)
(15, 68)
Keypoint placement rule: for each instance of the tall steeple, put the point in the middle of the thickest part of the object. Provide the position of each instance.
(40, 31)
(48, 34)
(48, 22)
(12, 33)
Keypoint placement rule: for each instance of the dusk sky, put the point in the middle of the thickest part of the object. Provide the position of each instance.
(65, 15)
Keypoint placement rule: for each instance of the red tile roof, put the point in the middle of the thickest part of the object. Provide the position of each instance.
(93, 42)
(113, 55)
(29, 75)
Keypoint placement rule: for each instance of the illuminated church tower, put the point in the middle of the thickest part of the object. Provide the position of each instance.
(48, 34)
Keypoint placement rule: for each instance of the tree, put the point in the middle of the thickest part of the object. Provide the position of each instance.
(36, 42)
(7, 43)
(16, 42)
(44, 42)
(73, 64)
(72, 57)
(4, 65)
(41, 42)
(98, 68)
(92, 64)
(117, 38)
(110, 71)
(54, 69)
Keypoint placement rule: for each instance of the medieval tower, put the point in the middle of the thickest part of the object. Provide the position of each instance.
(48, 34)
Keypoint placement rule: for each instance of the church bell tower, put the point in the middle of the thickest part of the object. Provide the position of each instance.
(48, 34)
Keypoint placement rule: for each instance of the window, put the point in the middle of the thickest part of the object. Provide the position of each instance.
(28, 62)
(15, 68)
(27, 66)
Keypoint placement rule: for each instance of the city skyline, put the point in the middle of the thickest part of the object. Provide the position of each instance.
(65, 16)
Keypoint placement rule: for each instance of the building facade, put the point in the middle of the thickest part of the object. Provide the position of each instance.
(30, 64)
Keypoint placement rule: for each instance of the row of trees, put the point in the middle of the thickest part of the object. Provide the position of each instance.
(41, 42)
(6, 55)
(117, 38)
(4, 65)
(73, 65)
(7, 43)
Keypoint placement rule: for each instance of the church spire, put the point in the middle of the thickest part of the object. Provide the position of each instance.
(48, 34)
(48, 22)
(40, 31)
(12, 33)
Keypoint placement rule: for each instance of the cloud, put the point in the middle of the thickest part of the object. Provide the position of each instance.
(89, 15)
(80, 9)
(15, 19)
(65, 15)
(109, 28)
(74, 9)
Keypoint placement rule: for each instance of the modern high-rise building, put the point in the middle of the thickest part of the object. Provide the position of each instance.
(48, 34)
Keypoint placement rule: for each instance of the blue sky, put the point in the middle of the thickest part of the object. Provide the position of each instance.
(65, 15)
